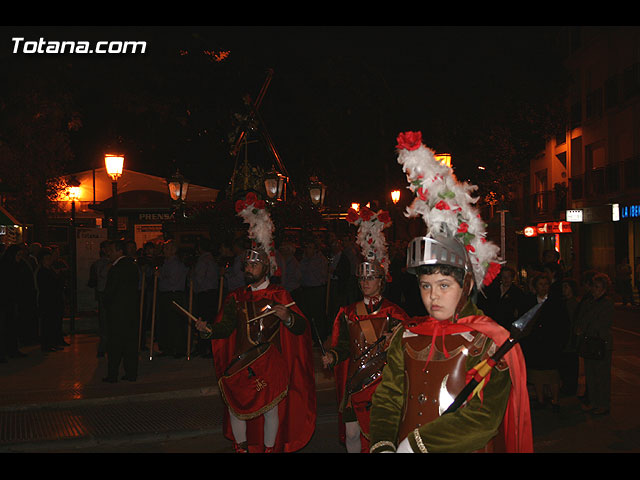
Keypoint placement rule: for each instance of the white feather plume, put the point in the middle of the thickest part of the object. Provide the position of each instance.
(253, 212)
(370, 237)
(446, 205)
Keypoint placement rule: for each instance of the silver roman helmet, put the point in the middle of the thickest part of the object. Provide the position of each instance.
(370, 268)
(256, 255)
(436, 249)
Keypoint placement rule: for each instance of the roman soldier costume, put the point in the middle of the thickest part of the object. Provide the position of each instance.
(262, 362)
(361, 331)
(430, 362)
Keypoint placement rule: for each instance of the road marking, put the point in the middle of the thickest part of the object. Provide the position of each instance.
(626, 376)
(626, 331)
(630, 359)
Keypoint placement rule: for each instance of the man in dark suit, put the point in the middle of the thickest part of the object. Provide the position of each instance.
(122, 304)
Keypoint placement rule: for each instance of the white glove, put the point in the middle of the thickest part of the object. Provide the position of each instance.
(404, 447)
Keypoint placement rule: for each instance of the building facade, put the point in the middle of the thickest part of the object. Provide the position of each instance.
(589, 175)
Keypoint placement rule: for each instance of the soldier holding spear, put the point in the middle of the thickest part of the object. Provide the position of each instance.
(429, 365)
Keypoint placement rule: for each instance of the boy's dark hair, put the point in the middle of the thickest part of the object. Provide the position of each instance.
(456, 272)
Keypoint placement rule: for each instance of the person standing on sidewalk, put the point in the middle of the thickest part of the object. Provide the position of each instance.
(314, 273)
(264, 365)
(206, 283)
(50, 300)
(596, 322)
(122, 305)
(172, 284)
(97, 281)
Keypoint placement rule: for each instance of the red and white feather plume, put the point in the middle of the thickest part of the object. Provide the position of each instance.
(446, 205)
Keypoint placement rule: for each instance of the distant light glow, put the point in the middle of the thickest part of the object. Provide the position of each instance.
(574, 215)
(615, 212)
(218, 56)
(444, 158)
(395, 196)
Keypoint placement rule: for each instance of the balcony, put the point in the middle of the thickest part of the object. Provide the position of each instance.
(538, 207)
(606, 183)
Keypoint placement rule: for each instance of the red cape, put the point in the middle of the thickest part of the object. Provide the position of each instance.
(341, 370)
(517, 418)
(297, 411)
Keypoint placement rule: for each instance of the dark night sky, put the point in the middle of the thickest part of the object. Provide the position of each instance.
(338, 97)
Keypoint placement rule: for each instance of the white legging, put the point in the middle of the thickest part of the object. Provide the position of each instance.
(352, 434)
(271, 423)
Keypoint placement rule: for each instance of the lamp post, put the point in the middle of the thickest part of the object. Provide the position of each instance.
(73, 193)
(114, 164)
(317, 191)
(178, 187)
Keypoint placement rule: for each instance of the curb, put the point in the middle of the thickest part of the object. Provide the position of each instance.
(114, 400)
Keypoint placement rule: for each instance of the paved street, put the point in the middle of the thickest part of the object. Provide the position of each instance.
(56, 402)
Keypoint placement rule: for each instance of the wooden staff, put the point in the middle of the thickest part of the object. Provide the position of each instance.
(153, 313)
(188, 324)
(141, 310)
(326, 300)
(220, 291)
(267, 313)
(188, 313)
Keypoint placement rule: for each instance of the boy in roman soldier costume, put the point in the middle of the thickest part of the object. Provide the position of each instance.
(262, 352)
(361, 332)
(430, 363)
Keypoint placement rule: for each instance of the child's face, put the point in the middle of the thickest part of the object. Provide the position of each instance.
(440, 295)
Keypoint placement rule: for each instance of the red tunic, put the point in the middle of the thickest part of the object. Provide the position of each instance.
(360, 401)
(297, 410)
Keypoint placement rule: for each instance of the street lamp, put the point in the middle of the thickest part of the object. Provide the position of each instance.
(317, 191)
(73, 193)
(114, 164)
(395, 196)
(274, 185)
(178, 187)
